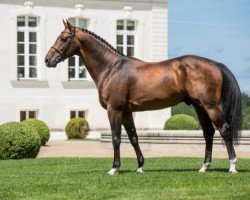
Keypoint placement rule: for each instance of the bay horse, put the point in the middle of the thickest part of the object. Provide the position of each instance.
(126, 84)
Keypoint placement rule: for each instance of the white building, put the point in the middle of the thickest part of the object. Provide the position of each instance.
(28, 29)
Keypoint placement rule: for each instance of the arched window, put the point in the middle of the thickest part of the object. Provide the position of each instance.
(77, 70)
(27, 47)
(125, 37)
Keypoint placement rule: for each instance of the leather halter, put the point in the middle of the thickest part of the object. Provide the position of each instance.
(65, 47)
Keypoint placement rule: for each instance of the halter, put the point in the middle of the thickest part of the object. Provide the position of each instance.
(65, 47)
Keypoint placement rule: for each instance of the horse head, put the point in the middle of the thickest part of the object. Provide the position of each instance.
(65, 46)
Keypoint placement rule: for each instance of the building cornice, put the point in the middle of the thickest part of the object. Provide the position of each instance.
(64, 3)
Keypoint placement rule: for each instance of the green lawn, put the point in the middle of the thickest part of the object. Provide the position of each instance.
(85, 178)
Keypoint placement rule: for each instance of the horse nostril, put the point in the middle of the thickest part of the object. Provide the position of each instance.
(47, 60)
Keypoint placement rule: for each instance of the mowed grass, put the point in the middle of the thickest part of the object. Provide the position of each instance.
(86, 178)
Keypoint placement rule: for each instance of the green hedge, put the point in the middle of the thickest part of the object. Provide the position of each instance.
(77, 128)
(181, 122)
(41, 127)
(18, 140)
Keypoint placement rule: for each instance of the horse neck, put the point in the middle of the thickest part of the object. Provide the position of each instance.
(96, 56)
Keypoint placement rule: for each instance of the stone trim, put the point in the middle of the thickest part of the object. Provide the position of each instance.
(173, 137)
(78, 85)
(30, 84)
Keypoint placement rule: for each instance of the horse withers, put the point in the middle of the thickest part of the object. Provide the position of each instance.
(126, 84)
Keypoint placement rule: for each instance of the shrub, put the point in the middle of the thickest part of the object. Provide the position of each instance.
(183, 108)
(181, 122)
(77, 128)
(18, 140)
(41, 128)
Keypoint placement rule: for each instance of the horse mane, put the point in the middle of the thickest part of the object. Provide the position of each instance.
(101, 40)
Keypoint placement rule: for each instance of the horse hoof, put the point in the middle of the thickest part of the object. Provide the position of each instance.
(140, 170)
(233, 171)
(202, 170)
(112, 171)
(205, 167)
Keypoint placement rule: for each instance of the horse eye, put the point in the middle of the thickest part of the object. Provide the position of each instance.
(63, 39)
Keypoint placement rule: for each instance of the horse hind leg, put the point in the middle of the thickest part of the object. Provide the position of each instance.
(208, 132)
(218, 119)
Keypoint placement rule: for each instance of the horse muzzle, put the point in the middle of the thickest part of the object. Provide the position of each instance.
(51, 62)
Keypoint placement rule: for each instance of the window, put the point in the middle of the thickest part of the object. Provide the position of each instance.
(125, 37)
(27, 114)
(27, 47)
(77, 70)
(77, 113)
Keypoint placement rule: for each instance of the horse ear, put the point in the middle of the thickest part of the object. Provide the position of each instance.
(70, 27)
(65, 24)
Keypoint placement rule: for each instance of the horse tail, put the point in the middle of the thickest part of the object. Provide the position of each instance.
(231, 101)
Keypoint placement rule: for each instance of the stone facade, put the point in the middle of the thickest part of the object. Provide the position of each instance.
(28, 30)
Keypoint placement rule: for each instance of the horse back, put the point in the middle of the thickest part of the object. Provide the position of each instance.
(165, 84)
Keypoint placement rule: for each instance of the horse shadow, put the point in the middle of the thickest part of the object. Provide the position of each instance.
(187, 170)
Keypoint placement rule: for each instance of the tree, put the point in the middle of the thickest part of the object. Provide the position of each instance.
(245, 99)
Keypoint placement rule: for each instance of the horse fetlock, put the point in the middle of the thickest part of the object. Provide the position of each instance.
(233, 163)
(205, 167)
(140, 161)
(117, 164)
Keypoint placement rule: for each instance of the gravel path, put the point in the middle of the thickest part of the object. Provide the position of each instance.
(76, 148)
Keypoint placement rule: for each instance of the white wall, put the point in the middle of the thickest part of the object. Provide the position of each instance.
(48, 94)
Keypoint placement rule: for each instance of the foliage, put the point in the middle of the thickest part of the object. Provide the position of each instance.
(182, 108)
(181, 122)
(41, 127)
(86, 178)
(77, 128)
(246, 110)
(18, 140)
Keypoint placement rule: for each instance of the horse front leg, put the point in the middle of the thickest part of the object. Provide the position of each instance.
(128, 123)
(115, 119)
